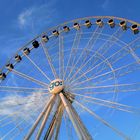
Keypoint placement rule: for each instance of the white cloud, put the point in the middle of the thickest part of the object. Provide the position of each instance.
(37, 16)
(24, 16)
(105, 4)
(24, 107)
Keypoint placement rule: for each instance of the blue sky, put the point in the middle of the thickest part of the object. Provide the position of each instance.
(22, 20)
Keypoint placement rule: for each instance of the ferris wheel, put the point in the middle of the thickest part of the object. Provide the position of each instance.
(78, 80)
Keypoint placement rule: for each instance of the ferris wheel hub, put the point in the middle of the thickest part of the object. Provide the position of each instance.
(56, 86)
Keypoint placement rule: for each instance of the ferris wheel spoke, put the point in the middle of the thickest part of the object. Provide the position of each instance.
(80, 123)
(69, 85)
(119, 86)
(112, 91)
(94, 37)
(21, 104)
(104, 101)
(112, 59)
(13, 137)
(103, 121)
(111, 78)
(22, 89)
(61, 56)
(29, 78)
(80, 68)
(49, 60)
(74, 45)
(7, 123)
(122, 54)
(75, 51)
(18, 110)
(12, 130)
(118, 72)
(37, 67)
(127, 49)
(10, 122)
(111, 106)
(111, 41)
(90, 44)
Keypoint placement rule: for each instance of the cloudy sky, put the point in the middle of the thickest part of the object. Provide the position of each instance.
(22, 20)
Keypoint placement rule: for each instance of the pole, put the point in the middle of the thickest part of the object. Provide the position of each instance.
(39, 118)
(44, 121)
(71, 115)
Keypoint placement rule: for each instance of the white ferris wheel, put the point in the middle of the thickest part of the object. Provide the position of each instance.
(78, 80)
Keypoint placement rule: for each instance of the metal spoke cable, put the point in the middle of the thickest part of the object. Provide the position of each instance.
(103, 121)
(37, 67)
(61, 57)
(20, 129)
(82, 127)
(110, 86)
(108, 44)
(3, 137)
(108, 58)
(71, 51)
(49, 60)
(127, 68)
(22, 89)
(110, 106)
(14, 114)
(90, 44)
(29, 78)
(105, 101)
(75, 51)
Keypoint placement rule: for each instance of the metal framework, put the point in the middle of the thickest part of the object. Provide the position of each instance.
(69, 77)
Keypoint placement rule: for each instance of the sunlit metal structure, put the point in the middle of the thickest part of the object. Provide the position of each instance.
(57, 79)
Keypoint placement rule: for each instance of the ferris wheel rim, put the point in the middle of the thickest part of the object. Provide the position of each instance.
(65, 23)
(116, 85)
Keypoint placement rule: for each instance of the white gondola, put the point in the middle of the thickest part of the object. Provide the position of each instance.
(35, 44)
(9, 66)
(45, 38)
(76, 26)
(18, 58)
(123, 25)
(88, 23)
(26, 51)
(66, 28)
(111, 23)
(135, 29)
(55, 33)
(2, 76)
(99, 22)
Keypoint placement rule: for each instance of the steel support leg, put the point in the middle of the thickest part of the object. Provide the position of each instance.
(44, 120)
(68, 108)
(39, 118)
